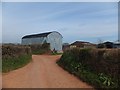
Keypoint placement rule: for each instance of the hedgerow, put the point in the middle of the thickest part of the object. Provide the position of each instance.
(98, 67)
(40, 48)
(15, 56)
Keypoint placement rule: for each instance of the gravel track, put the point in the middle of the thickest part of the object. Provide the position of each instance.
(42, 72)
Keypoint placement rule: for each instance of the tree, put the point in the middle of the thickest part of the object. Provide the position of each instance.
(100, 41)
(100, 44)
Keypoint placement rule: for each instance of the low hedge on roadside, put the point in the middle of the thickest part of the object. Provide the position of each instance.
(98, 67)
(40, 48)
(15, 56)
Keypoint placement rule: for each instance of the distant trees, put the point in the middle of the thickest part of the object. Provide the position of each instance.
(101, 45)
(100, 41)
(65, 46)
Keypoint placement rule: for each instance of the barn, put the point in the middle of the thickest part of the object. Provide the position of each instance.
(53, 38)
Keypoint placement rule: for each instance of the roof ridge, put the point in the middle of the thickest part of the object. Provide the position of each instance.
(37, 35)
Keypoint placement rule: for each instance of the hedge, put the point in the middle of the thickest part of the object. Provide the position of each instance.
(98, 67)
(15, 56)
(40, 48)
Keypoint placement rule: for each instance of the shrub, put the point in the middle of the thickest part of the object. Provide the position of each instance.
(15, 56)
(14, 50)
(101, 45)
(98, 67)
(40, 48)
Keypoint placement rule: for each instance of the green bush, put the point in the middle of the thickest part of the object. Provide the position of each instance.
(40, 48)
(15, 56)
(98, 67)
(14, 50)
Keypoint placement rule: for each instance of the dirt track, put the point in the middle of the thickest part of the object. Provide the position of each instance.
(42, 72)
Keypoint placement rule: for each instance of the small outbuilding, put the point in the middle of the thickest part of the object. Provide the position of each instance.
(53, 38)
(82, 44)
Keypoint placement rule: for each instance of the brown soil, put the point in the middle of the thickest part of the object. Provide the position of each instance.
(42, 72)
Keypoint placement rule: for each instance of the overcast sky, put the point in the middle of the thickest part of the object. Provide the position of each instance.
(75, 21)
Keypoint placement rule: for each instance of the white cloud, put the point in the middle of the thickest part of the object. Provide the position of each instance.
(92, 24)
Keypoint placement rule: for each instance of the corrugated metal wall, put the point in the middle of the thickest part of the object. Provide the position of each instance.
(54, 38)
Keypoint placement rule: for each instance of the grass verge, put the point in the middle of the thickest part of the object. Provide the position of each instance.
(12, 63)
(39, 52)
(98, 81)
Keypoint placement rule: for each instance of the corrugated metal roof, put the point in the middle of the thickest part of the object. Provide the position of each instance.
(37, 35)
(79, 42)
